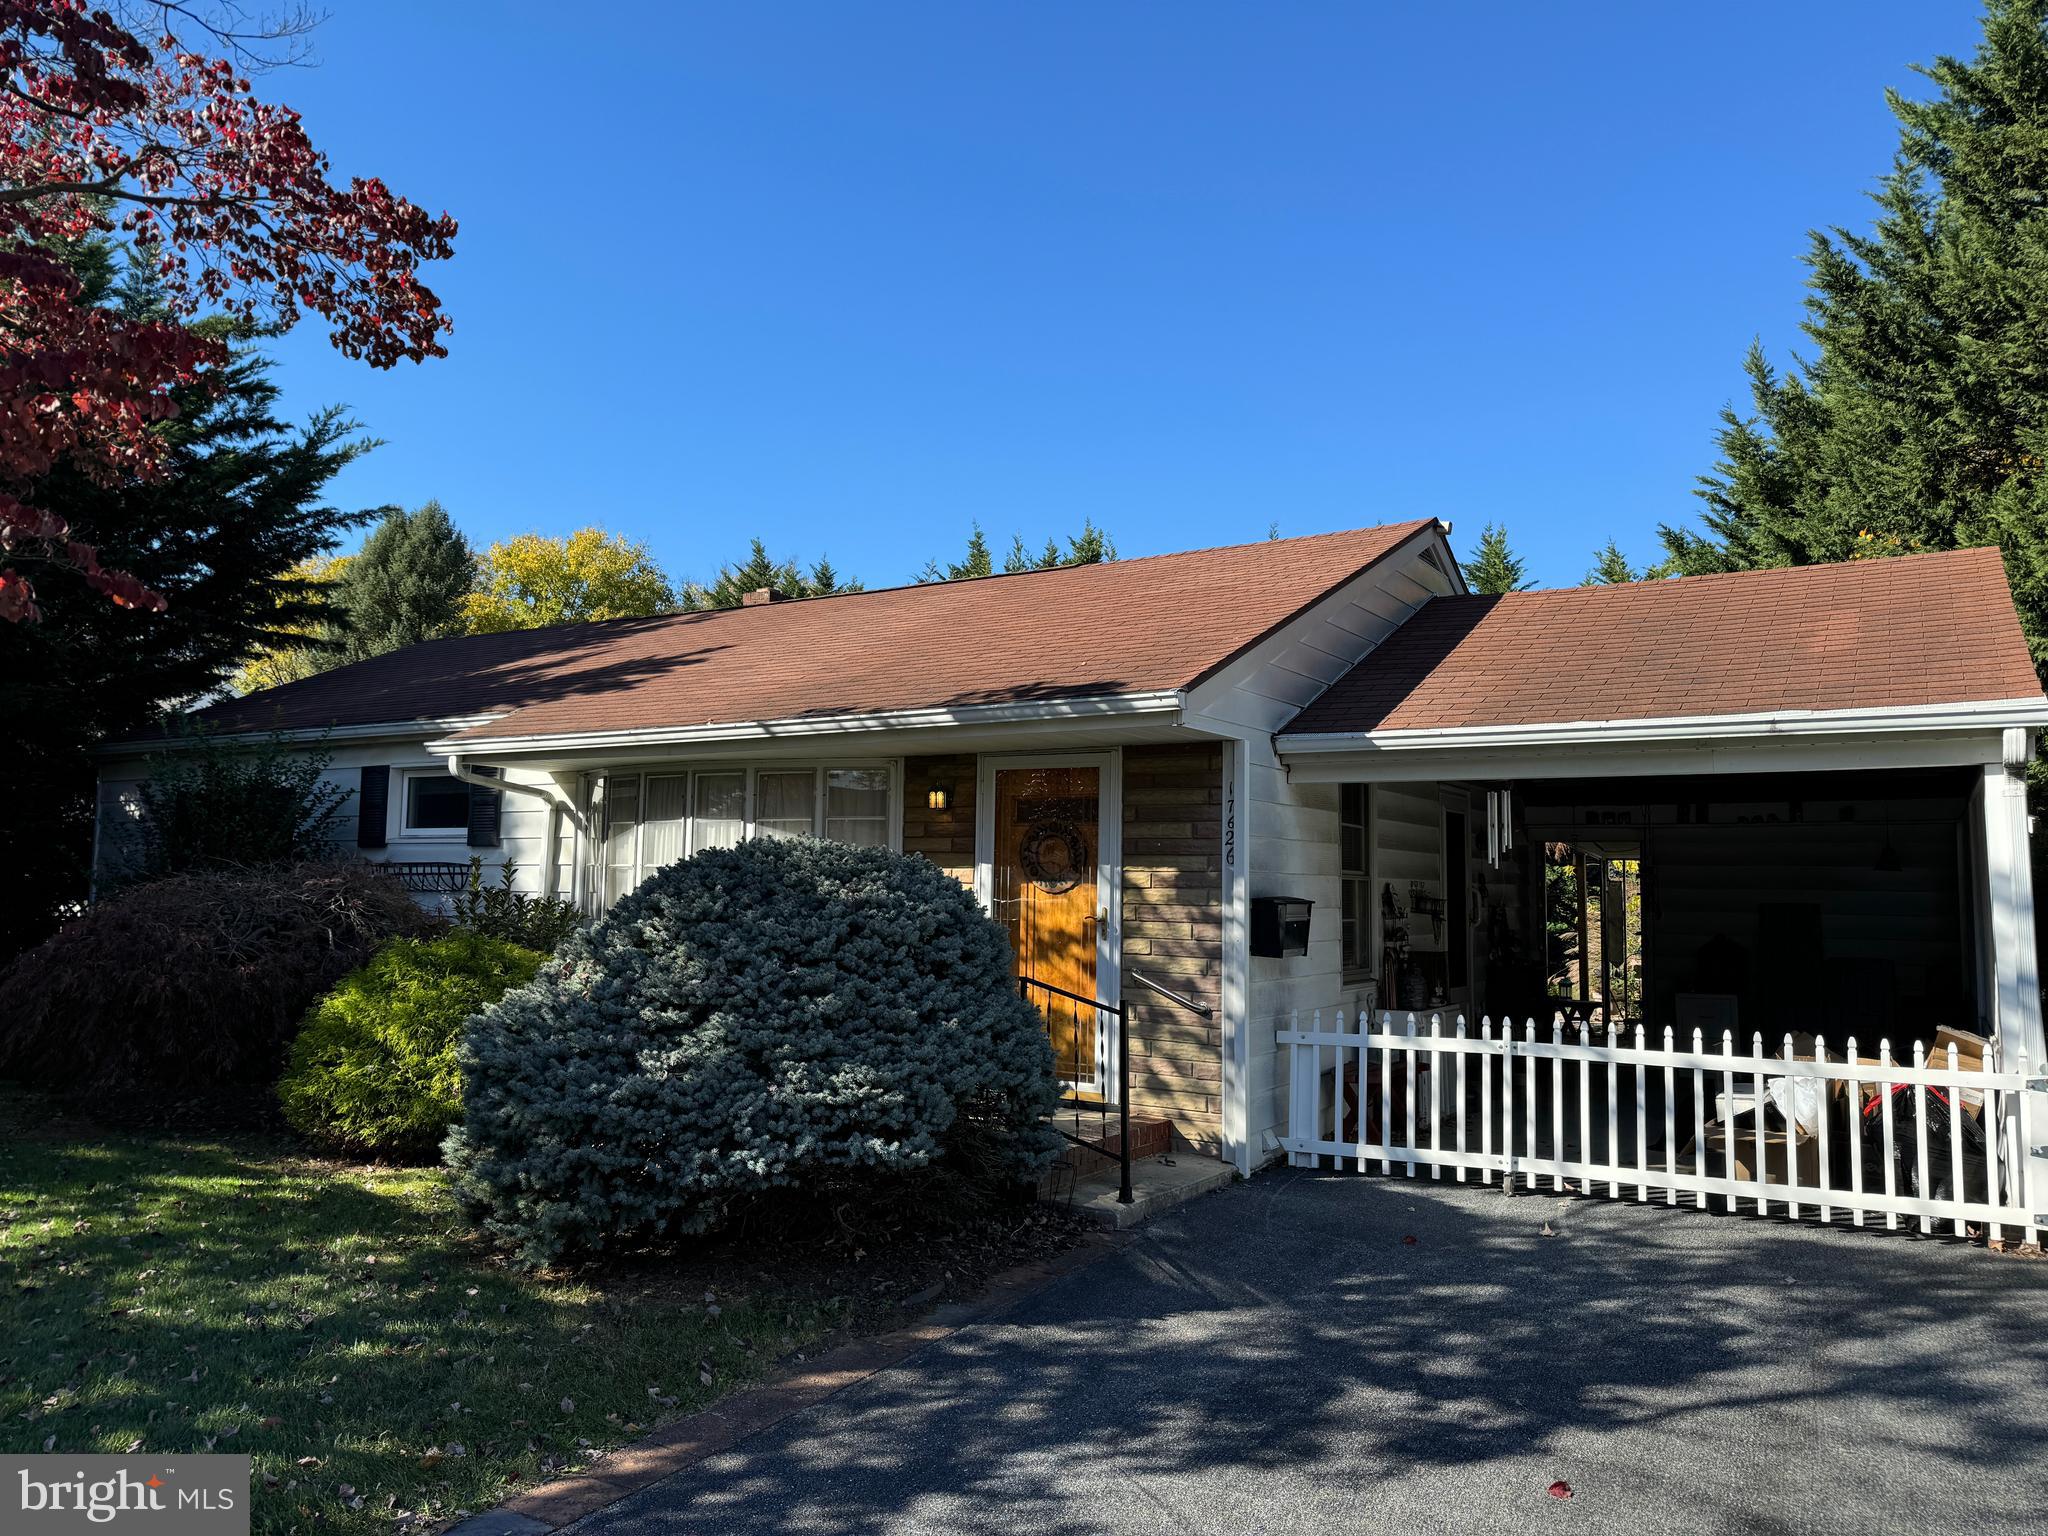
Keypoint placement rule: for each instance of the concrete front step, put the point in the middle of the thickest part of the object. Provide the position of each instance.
(1157, 1184)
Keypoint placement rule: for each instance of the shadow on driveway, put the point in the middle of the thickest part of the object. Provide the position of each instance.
(1276, 1358)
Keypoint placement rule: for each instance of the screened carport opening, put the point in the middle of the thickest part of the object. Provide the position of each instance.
(1830, 904)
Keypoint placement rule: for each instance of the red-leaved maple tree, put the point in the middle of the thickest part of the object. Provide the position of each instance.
(229, 202)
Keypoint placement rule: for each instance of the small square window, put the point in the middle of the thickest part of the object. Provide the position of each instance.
(435, 802)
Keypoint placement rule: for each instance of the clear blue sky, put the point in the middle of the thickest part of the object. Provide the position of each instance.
(854, 276)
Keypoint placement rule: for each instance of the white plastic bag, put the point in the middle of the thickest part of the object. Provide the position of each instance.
(1799, 1100)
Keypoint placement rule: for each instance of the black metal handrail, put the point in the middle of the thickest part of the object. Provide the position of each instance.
(1124, 1194)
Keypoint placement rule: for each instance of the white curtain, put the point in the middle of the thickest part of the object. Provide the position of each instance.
(786, 804)
(721, 810)
(857, 806)
(664, 821)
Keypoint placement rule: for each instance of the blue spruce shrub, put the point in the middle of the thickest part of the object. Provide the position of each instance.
(784, 1014)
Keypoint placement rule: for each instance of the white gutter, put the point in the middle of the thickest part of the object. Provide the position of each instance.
(1086, 707)
(1995, 714)
(377, 730)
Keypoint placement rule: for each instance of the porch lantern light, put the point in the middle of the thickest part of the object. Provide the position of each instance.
(938, 797)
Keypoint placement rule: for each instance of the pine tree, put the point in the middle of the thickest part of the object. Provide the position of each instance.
(761, 570)
(1091, 546)
(1610, 569)
(1492, 567)
(824, 580)
(978, 562)
(1920, 421)
(407, 582)
(240, 507)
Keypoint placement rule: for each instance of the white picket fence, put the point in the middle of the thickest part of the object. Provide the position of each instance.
(1583, 1112)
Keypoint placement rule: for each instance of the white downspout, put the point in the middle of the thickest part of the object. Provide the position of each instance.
(547, 794)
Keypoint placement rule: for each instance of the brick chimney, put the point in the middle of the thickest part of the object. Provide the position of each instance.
(761, 595)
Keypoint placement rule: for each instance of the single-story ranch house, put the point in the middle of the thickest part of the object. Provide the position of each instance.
(1298, 774)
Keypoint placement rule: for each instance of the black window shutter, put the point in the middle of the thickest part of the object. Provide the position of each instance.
(373, 802)
(483, 812)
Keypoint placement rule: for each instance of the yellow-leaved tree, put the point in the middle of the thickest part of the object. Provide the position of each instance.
(531, 580)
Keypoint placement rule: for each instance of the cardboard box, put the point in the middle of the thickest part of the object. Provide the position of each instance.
(1805, 1154)
(1970, 1049)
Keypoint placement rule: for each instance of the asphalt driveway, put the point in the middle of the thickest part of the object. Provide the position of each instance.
(1276, 1358)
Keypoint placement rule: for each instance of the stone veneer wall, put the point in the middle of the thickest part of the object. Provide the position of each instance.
(1172, 912)
(945, 837)
(1173, 932)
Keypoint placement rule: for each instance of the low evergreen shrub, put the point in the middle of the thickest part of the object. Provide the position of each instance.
(373, 1070)
(502, 912)
(787, 1015)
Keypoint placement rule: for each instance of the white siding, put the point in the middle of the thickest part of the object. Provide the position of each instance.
(1293, 827)
(522, 826)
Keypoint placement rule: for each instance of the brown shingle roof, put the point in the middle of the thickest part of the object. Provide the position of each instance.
(1917, 629)
(1140, 625)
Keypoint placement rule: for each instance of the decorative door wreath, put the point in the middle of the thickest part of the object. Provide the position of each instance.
(1052, 852)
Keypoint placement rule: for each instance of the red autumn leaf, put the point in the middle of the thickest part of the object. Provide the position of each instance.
(1560, 1489)
(225, 198)
(1408, 1241)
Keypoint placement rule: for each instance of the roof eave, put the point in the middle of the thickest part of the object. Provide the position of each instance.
(1978, 715)
(1151, 703)
(374, 730)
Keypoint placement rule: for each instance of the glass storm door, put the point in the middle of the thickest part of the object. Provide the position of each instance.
(1047, 837)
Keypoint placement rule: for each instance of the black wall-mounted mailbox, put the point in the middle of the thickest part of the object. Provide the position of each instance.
(1279, 926)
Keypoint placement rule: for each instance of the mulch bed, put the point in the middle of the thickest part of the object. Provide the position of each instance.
(884, 1278)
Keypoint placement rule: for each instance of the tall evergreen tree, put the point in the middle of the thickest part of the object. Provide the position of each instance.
(761, 570)
(824, 580)
(406, 584)
(1091, 546)
(977, 562)
(1494, 568)
(1611, 569)
(1920, 420)
(240, 507)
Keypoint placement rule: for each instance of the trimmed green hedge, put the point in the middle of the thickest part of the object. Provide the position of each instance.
(374, 1069)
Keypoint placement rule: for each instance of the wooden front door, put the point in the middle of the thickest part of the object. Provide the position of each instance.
(1047, 841)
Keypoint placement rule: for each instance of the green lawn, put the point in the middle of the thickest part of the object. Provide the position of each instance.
(336, 1322)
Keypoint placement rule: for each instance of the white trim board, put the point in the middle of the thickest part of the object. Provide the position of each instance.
(1990, 714)
(381, 730)
(1779, 755)
(1080, 707)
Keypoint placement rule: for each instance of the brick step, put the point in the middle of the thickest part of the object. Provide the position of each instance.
(1151, 1136)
